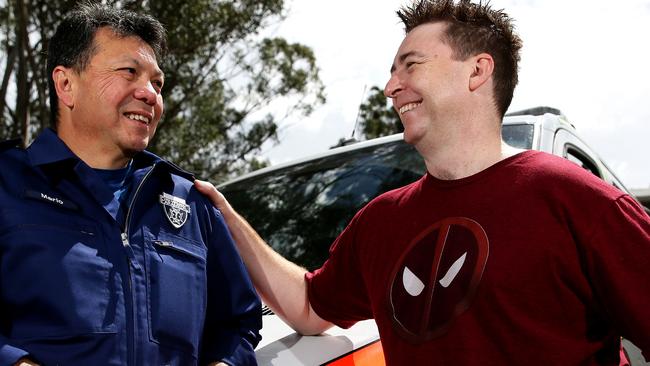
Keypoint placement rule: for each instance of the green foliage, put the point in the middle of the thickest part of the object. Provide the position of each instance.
(376, 117)
(226, 86)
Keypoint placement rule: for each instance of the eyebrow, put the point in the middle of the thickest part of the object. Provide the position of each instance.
(158, 72)
(403, 57)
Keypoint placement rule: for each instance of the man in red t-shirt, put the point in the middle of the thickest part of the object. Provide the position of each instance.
(496, 256)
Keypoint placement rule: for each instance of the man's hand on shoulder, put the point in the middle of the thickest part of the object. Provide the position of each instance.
(217, 199)
(218, 364)
(280, 282)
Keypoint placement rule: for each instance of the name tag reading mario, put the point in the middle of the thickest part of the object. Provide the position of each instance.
(49, 198)
(176, 210)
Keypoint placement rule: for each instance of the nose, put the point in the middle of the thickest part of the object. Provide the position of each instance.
(393, 86)
(146, 93)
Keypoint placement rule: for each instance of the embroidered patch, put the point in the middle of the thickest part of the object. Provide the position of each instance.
(176, 210)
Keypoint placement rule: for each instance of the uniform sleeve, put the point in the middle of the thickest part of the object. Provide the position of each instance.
(234, 311)
(8, 353)
(618, 263)
(337, 291)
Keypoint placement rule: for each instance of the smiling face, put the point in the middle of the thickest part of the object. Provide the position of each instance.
(110, 110)
(427, 85)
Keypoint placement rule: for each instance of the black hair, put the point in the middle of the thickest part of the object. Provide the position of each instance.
(73, 42)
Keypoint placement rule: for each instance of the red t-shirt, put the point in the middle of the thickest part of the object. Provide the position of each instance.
(533, 261)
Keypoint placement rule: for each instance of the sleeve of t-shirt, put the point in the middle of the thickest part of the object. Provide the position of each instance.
(337, 291)
(618, 263)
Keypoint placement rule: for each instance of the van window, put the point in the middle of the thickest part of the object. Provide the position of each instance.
(576, 156)
(301, 209)
(519, 136)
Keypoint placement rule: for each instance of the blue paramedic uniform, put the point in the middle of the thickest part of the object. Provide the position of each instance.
(86, 280)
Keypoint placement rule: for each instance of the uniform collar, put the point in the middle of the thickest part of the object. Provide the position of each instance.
(48, 148)
(145, 159)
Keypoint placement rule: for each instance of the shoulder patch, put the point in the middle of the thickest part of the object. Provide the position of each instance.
(8, 144)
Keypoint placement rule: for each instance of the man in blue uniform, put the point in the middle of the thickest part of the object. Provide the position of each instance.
(108, 255)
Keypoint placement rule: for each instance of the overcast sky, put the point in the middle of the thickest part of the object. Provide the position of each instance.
(587, 58)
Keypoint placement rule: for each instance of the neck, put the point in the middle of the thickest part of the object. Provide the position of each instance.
(88, 147)
(103, 161)
(470, 151)
(92, 154)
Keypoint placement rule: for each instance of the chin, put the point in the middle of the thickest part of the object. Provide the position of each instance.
(411, 137)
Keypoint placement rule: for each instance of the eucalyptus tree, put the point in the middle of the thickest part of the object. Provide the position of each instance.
(227, 82)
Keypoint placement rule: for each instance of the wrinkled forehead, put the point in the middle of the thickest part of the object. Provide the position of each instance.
(107, 38)
(112, 44)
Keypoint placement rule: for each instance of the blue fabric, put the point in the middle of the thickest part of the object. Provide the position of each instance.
(118, 180)
(72, 292)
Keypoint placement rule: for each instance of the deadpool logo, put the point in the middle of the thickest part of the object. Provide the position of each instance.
(436, 277)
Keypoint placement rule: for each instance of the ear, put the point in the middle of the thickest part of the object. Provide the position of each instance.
(63, 80)
(483, 67)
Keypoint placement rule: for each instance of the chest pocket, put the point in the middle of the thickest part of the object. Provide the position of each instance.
(54, 275)
(176, 280)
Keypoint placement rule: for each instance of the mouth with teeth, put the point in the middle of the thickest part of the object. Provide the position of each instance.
(137, 117)
(408, 107)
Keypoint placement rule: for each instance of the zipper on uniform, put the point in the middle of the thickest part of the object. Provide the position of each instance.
(125, 234)
(130, 261)
(125, 239)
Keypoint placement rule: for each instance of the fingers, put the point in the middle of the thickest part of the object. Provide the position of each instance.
(208, 190)
(203, 186)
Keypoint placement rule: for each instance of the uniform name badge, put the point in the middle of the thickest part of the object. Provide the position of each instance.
(176, 210)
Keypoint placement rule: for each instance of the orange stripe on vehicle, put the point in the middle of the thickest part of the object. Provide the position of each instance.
(369, 355)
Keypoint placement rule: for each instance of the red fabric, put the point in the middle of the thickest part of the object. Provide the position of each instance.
(624, 361)
(542, 264)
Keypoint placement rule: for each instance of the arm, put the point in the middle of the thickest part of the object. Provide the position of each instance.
(280, 282)
(619, 267)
